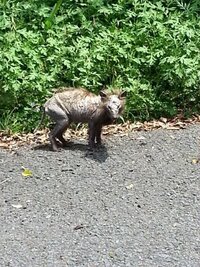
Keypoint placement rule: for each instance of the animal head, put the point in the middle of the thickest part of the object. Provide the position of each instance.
(113, 102)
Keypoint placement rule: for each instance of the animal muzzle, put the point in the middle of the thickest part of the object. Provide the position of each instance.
(114, 110)
(114, 114)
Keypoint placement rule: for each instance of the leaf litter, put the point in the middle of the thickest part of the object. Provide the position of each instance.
(13, 141)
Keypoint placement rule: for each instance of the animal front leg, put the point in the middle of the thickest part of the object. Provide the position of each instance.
(98, 134)
(91, 135)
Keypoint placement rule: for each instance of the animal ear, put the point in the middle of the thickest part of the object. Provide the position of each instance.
(102, 94)
(122, 94)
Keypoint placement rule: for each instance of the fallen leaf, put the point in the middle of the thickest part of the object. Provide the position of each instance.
(27, 173)
(195, 161)
(160, 124)
(129, 186)
(17, 206)
(4, 145)
(163, 119)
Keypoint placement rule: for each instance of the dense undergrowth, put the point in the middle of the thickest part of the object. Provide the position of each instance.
(150, 48)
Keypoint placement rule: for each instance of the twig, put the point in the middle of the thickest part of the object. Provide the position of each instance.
(4, 181)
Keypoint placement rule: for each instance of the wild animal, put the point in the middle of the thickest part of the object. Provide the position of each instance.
(77, 105)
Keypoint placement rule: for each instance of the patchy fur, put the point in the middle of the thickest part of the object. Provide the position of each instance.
(79, 105)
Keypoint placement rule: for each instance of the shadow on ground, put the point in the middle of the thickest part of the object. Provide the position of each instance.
(99, 154)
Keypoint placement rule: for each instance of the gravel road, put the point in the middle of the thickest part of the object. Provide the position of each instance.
(134, 202)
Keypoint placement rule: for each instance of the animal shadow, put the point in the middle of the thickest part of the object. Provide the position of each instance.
(99, 153)
(47, 147)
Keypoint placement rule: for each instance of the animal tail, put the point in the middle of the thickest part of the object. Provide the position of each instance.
(42, 110)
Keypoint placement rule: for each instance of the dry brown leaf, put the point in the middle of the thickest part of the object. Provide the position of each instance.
(163, 119)
(4, 145)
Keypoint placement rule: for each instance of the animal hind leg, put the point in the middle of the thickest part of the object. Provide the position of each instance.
(60, 134)
(57, 132)
(62, 122)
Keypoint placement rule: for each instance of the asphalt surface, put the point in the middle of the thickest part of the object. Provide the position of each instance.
(135, 202)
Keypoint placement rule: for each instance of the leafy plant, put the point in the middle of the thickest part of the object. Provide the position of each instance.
(150, 48)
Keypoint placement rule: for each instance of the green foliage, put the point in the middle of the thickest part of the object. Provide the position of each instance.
(150, 48)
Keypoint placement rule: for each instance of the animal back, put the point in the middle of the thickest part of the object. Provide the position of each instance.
(79, 104)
